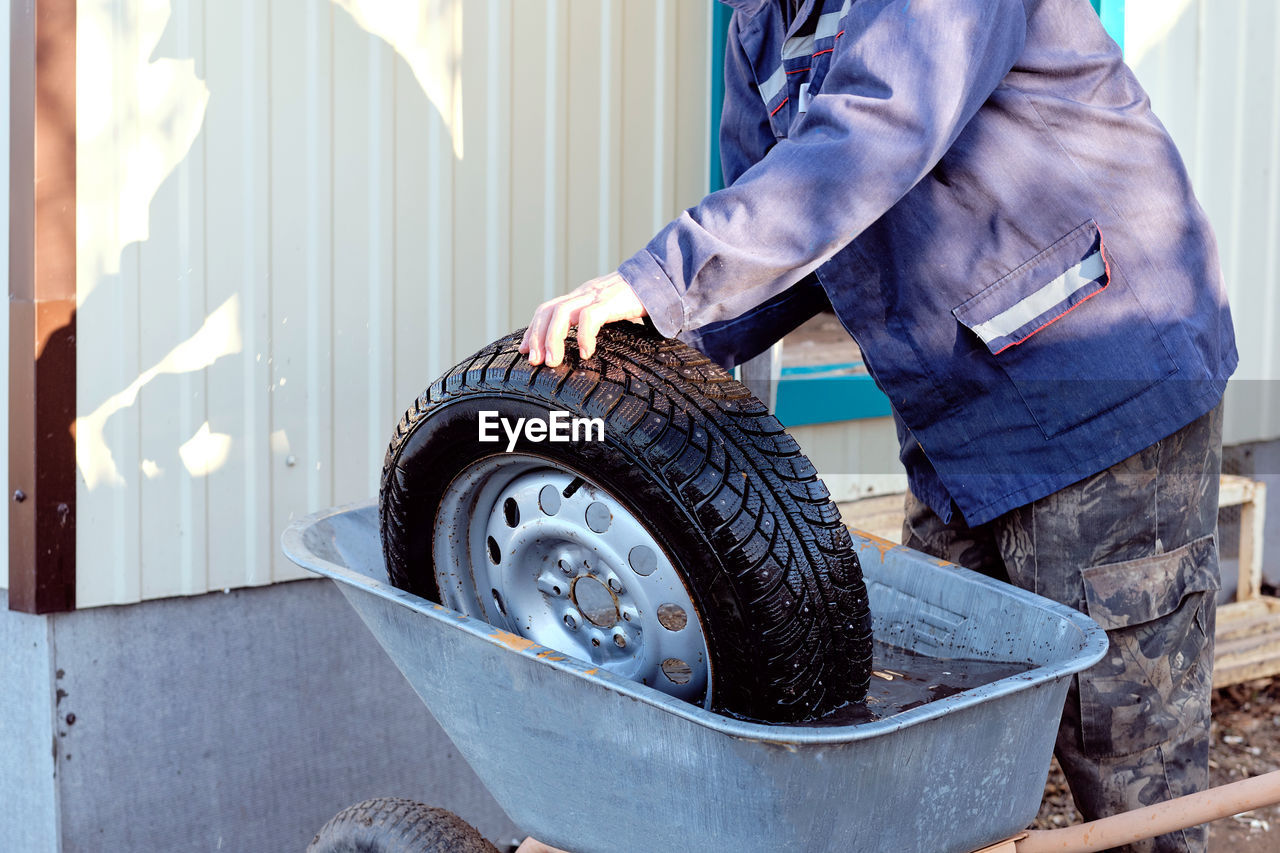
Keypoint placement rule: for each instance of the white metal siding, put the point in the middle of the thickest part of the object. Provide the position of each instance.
(1213, 73)
(294, 215)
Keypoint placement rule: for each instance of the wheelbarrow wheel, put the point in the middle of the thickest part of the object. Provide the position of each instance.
(394, 825)
(680, 538)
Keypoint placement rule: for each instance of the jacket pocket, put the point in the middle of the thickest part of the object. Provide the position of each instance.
(1068, 370)
(1158, 613)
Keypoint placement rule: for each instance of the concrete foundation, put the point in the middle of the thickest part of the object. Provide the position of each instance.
(28, 698)
(239, 721)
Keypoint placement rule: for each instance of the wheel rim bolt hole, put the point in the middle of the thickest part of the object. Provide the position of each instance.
(672, 617)
(511, 512)
(616, 586)
(495, 554)
(565, 566)
(599, 517)
(677, 671)
(570, 622)
(620, 640)
(549, 500)
(643, 560)
(497, 599)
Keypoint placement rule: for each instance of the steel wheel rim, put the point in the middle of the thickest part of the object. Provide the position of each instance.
(538, 550)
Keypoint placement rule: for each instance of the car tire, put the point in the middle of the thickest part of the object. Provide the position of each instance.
(736, 537)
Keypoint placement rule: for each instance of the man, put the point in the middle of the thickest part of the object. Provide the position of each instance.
(980, 190)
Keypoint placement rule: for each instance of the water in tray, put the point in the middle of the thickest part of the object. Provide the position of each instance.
(902, 679)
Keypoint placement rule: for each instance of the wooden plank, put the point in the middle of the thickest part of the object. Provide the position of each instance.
(1234, 490)
(1247, 641)
(1240, 619)
(1234, 613)
(1253, 516)
(1246, 660)
(1245, 669)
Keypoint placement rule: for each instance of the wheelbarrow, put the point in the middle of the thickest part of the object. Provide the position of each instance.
(587, 761)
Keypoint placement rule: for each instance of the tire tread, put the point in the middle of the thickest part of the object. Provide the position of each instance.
(735, 468)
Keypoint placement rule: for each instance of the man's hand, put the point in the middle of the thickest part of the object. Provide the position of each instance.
(599, 301)
(533, 845)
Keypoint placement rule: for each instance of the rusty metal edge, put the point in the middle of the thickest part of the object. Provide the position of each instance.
(42, 306)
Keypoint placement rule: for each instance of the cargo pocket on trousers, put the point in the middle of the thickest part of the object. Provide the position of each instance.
(1154, 681)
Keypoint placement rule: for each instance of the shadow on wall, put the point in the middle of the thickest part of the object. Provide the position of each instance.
(153, 107)
(179, 103)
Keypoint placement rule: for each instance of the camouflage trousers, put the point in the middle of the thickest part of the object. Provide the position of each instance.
(1135, 548)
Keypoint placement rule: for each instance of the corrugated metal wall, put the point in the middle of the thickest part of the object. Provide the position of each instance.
(1213, 72)
(294, 214)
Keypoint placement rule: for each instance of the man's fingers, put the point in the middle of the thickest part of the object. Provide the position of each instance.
(537, 328)
(558, 329)
(591, 305)
(590, 319)
(532, 845)
(532, 339)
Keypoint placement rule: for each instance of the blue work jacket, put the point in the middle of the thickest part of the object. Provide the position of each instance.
(981, 191)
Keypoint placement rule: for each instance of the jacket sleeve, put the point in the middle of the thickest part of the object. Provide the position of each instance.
(745, 135)
(904, 80)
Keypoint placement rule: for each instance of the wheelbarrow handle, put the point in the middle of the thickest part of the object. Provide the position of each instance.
(1148, 822)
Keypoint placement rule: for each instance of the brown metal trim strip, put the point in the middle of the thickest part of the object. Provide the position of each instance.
(42, 306)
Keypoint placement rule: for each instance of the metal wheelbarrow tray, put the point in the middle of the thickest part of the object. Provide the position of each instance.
(587, 761)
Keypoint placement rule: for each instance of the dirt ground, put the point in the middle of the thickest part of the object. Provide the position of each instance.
(1246, 742)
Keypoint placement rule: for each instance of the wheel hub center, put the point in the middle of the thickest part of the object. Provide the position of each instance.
(596, 603)
(549, 556)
